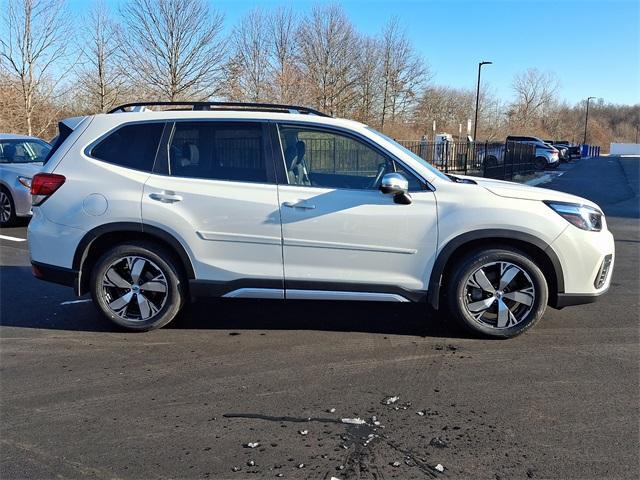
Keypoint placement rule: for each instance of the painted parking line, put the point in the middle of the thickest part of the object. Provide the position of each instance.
(71, 302)
(13, 239)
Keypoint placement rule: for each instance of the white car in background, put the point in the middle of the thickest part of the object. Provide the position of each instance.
(547, 156)
(148, 209)
(20, 158)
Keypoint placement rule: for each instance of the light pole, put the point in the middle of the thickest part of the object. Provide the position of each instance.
(586, 120)
(475, 124)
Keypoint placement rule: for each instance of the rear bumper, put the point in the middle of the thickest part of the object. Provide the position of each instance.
(21, 199)
(55, 274)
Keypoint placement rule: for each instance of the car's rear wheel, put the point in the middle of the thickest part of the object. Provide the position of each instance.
(7, 209)
(497, 292)
(138, 286)
(540, 163)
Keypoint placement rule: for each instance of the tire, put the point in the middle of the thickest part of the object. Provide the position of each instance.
(504, 317)
(491, 162)
(7, 209)
(118, 279)
(540, 163)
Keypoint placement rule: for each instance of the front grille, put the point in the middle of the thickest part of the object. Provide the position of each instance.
(603, 273)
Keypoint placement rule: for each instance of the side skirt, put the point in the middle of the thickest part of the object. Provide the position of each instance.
(273, 289)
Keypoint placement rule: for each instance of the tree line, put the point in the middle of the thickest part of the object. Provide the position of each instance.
(52, 67)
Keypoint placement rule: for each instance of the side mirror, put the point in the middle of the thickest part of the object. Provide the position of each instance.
(397, 185)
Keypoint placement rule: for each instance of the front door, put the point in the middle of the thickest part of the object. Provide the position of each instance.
(340, 233)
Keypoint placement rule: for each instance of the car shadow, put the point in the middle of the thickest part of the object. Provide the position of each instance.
(337, 316)
(26, 302)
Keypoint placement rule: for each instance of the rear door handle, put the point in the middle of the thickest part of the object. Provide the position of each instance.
(303, 205)
(165, 197)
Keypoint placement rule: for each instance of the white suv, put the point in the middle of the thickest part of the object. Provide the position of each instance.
(146, 209)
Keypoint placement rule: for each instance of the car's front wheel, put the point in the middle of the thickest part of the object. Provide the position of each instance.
(138, 286)
(540, 163)
(497, 292)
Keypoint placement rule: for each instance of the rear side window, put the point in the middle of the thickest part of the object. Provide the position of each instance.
(132, 146)
(218, 151)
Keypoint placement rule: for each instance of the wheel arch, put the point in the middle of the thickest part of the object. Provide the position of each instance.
(96, 241)
(538, 249)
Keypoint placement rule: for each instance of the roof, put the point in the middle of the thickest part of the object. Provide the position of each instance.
(16, 136)
(227, 114)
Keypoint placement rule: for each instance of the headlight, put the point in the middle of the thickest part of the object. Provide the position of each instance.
(582, 216)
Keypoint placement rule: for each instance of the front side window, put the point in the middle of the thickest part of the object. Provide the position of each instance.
(23, 151)
(131, 146)
(218, 151)
(319, 158)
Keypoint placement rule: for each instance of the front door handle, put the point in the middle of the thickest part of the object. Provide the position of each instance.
(165, 197)
(303, 205)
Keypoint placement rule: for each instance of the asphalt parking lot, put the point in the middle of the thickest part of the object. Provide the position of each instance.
(81, 399)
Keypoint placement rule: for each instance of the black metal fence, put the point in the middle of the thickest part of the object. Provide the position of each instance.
(487, 159)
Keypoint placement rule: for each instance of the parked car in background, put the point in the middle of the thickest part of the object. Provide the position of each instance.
(20, 158)
(573, 151)
(547, 156)
(563, 152)
(149, 209)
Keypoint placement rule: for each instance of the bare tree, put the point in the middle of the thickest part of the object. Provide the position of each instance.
(250, 61)
(174, 47)
(535, 92)
(328, 52)
(403, 72)
(284, 64)
(101, 78)
(448, 107)
(368, 83)
(35, 50)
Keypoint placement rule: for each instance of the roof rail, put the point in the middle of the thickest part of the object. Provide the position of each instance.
(258, 107)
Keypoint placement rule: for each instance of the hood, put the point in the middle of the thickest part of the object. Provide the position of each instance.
(23, 169)
(525, 192)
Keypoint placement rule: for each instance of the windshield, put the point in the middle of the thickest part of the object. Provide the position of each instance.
(23, 151)
(417, 158)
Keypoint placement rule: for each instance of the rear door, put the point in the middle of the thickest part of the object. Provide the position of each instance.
(213, 188)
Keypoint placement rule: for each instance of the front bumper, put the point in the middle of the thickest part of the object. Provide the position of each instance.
(582, 255)
(571, 299)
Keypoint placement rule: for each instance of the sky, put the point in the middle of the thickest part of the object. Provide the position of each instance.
(593, 46)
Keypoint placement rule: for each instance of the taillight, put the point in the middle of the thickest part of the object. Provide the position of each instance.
(43, 185)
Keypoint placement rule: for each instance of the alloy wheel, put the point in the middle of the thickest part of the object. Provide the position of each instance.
(134, 288)
(5, 207)
(499, 294)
